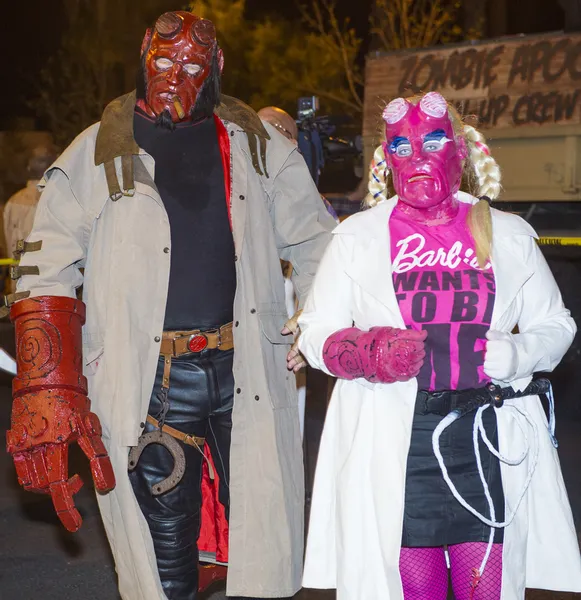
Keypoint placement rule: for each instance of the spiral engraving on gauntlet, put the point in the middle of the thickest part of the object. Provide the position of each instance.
(39, 349)
(398, 356)
(348, 355)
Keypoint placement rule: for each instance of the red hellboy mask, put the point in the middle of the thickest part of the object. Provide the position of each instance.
(181, 68)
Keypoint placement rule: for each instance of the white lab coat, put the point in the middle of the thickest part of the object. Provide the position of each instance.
(357, 506)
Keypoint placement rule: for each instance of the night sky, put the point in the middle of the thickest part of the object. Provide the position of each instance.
(30, 32)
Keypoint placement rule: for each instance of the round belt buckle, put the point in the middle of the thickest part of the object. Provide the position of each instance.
(197, 342)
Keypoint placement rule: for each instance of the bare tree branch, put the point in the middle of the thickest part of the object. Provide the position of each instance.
(400, 24)
(340, 41)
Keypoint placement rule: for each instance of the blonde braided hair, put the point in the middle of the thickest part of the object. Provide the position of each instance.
(482, 179)
(378, 174)
(486, 169)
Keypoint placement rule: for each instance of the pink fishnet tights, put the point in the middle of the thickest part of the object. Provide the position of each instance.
(466, 557)
(424, 572)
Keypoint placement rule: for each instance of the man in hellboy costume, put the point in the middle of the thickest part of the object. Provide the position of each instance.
(173, 213)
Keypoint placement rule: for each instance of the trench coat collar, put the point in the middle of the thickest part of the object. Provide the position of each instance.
(115, 137)
(370, 264)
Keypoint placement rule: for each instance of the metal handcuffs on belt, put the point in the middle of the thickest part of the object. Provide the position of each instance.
(168, 438)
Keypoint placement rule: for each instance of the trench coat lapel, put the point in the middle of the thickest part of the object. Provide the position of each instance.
(238, 195)
(144, 182)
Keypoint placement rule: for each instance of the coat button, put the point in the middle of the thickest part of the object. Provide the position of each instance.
(166, 250)
(237, 323)
(157, 338)
(241, 197)
(231, 133)
(257, 398)
(238, 390)
(252, 311)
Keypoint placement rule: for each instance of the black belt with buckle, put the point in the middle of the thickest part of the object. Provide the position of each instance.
(465, 401)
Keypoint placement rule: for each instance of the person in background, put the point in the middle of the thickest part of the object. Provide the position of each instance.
(20, 209)
(287, 126)
(282, 121)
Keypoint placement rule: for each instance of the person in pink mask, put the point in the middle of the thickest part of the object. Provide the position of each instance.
(434, 311)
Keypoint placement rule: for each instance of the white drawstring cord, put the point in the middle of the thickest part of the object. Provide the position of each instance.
(478, 428)
(552, 419)
(475, 431)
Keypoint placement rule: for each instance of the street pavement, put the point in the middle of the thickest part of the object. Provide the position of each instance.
(39, 560)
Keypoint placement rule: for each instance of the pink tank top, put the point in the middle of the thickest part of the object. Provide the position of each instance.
(441, 289)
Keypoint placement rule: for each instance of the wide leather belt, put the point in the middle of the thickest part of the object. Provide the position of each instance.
(178, 343)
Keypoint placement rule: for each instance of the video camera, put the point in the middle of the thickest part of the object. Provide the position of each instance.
(318, 140)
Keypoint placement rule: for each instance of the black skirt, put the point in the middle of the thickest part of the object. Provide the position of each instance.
(432, 516)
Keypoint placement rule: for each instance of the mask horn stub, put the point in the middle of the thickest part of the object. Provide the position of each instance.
(168, 25)
(203, 32)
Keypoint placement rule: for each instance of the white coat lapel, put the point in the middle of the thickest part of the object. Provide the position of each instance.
(510, 270)
(370, 266)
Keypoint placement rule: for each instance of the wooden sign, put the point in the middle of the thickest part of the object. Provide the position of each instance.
(517, 82)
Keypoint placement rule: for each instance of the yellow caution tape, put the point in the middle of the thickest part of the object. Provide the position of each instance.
(559, 241)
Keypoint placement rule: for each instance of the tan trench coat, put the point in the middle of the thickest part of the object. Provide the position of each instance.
(124, 247)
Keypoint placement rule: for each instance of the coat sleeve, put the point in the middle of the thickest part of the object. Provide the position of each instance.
(546, 328)
(329, 304)
(63, 227)
(302, 224)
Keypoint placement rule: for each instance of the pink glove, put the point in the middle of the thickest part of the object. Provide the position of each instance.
(382, 354)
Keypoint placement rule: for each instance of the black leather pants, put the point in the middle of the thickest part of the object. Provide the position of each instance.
(200, 403)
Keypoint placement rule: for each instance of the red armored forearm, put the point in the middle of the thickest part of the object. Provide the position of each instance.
(51, 408)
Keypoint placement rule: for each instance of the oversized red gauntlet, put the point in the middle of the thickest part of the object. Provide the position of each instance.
(51, 409)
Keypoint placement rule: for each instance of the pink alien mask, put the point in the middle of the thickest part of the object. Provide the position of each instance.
(424, 157)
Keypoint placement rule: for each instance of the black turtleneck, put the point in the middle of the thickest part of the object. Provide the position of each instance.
(190, 179)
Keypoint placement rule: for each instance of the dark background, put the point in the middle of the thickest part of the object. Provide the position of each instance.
(30, 33)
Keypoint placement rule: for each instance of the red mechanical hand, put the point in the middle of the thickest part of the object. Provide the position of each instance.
(51, 409)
